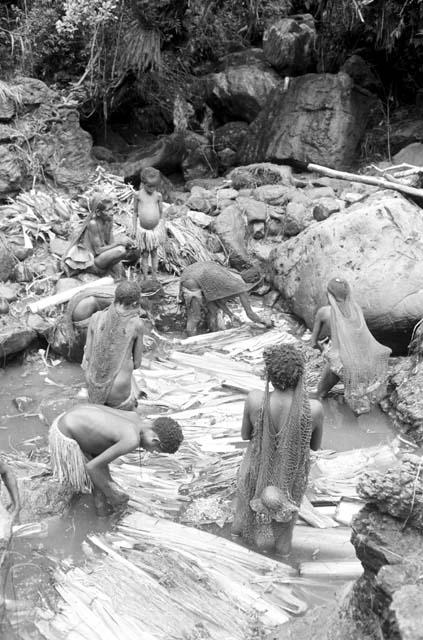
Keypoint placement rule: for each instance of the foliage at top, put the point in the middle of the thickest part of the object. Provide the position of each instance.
(106, 49)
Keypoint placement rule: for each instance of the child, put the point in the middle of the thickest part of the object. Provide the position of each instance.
(148, 209)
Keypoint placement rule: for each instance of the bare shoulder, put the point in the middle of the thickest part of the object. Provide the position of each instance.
(323, 312)
(316, 411)
(254, 399)
(137, 325)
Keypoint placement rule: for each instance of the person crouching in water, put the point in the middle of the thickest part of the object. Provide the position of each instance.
(281, 426)
(148, 220)
(84, 440)
(352, 354)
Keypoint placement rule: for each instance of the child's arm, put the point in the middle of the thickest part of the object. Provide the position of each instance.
(135, 215)
(160, 205)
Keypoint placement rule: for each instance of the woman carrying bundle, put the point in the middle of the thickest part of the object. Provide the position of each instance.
(281, 425)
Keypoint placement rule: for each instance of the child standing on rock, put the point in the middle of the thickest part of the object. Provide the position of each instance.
(148, 220)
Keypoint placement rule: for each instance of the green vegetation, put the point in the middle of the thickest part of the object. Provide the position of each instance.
(109, 51)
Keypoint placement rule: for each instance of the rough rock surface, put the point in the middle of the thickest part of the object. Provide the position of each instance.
(188, 152)
(362, 74)
(289, 45)
(47, 140)
(404, 402)
(240, 92)
(230, 136)
(376, 245)
(231, 228)
(260, 174)
(7, 260)
(398, 492)
(319, 118)
(411, 154)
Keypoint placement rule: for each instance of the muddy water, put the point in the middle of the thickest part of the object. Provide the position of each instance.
(35, 390)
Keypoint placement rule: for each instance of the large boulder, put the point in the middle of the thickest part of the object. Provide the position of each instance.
(232, 229)
(240, 92)
(319, 118)
(289, 45)
(376, 245)
(47, 140)
(185, 151)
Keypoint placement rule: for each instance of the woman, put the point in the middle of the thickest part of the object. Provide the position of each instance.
(352, 355)
(281, 425)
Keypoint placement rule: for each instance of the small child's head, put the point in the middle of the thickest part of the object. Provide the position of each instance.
(169, 433)
(150, 178)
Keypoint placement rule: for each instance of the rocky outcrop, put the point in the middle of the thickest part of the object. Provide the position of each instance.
(42, 139)
(397, 492)
(318, 118)
(376, 245)
(231, 228)
(404, 402)
(289, 45)
(188, 152)
(239, 92)
(391, 556)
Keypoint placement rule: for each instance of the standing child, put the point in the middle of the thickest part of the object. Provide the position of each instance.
(148, 210)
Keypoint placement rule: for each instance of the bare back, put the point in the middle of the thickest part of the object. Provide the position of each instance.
(279, 406)
(96, 428)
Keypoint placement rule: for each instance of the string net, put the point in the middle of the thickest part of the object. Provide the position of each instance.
(277, 457)
(355, 356)
(109, 348)
(216, 282)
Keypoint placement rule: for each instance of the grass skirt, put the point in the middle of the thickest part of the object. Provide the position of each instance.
(150, 239)
(68, 460)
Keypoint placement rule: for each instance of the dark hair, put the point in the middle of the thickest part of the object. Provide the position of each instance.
(284, 365)
(150, 175)
(170, 434)
(127, 292)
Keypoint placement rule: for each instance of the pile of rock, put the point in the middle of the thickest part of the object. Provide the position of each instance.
(40, 137)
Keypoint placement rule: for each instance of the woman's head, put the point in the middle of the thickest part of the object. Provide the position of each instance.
(285, 365)
(101, 204)
(339, 288)
(128, 293)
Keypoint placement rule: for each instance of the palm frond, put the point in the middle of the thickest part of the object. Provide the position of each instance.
(139, 49)
(10, 93)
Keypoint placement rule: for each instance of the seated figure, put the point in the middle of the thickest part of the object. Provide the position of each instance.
(93, 248)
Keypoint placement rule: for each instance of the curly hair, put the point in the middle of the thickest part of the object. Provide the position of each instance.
(150, 175)
(127, 292)
(170, 434)
(285, 365)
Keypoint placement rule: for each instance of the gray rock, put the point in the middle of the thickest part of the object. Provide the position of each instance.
(319, 118)
(376, 245)
(362, 74)
(411, 154)
(289, 45)
(253, 209)
(240, 92)
(231, 228)
(297, 217)
(259, 174)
